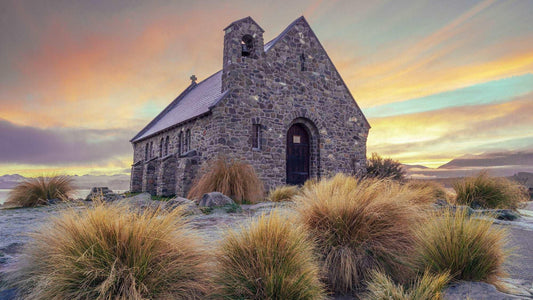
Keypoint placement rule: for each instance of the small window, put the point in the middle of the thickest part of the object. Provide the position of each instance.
(151, 148)
(161, 148)
(188, 140)
(302, 62)
(166, 145)
(256, 136)
(247, 45)
(146, 152)
(180, 143)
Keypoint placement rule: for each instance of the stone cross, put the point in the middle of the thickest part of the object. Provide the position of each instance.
(193, 79)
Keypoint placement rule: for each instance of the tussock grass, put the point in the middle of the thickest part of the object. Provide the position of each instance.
(110, 252)
(426, 287)
(232, 178)
(37, 191)
(271, 259)
(283, 193)
(468, 248)
(425, 191)
(379, 167)
(489, 192)
(359, 226)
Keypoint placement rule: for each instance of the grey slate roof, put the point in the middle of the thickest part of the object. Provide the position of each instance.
(199, 99)
(196, 100)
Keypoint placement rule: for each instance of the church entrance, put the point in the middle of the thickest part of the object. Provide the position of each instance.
(298, 154)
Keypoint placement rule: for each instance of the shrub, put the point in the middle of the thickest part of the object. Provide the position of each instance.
(468, 248)
(283, 193)
(426, 192)
(379, 167)
(269, 260)
(426, 287)
(37, 191)
(110, 252)
(489, 192)
(233, 178)
(358, 225)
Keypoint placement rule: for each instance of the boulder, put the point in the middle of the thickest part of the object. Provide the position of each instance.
(104, 192)
(190, 208)
(500, 214)
(475, 290)
(143, 201)
(215, 199)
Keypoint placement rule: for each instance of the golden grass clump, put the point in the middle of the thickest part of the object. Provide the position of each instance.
(283, 193)
(271, 259)
(426, 287)
(232, 178)
(467, 247)
(37, 191)
(359, 225)
(484, 191)
(426, 191)
(111, 252)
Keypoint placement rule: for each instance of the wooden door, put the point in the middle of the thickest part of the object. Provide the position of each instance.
(297, 155)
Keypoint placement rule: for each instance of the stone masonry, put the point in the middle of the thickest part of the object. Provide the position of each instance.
(263, 91)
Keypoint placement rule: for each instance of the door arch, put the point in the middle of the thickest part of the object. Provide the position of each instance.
(298, 155)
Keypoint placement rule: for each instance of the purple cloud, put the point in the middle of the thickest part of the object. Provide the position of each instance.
(31, 145)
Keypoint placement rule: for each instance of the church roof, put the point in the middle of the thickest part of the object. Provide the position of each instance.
(199, 98)
(196, 100)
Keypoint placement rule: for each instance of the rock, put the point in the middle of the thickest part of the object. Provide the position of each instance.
(104, 192)
(54, 201)
(190, 208)
(143, 201)
(215, 199)
(475, 290)
(500, 214)
(9, 294)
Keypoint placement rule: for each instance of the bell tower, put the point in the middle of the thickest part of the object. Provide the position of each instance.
(243, 46)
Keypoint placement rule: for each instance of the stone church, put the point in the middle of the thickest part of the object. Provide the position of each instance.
(280, 106)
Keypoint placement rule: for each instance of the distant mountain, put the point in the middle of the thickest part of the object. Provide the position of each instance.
(410, 167)
(498, 159)
(114, 182)
(8, 181)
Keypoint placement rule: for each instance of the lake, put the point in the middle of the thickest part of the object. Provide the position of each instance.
(77, 194)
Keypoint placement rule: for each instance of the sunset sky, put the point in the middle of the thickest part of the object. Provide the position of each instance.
(436, 79)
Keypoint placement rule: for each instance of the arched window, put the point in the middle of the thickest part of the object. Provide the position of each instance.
(180, 143)
(151, 153)
(302, 62)
(247, 45)
(166, 146)
(146, 152)
(161, 148)
(188, 138)
(256, 137)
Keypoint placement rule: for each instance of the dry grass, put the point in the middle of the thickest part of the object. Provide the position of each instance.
(468, 248)
(110, 252)
(426, 192)
(271, 259)
(426, 287)
(37, 191)
(233, 178)
(283, 193)
(359, 226)
(384, 168)
(490, 192)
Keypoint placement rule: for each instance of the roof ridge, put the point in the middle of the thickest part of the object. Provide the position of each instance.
(169, 107)
(273, 41)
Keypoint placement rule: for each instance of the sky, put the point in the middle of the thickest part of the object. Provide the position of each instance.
(437, 80)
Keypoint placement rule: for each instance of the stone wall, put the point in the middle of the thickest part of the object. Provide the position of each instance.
(166, 180)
